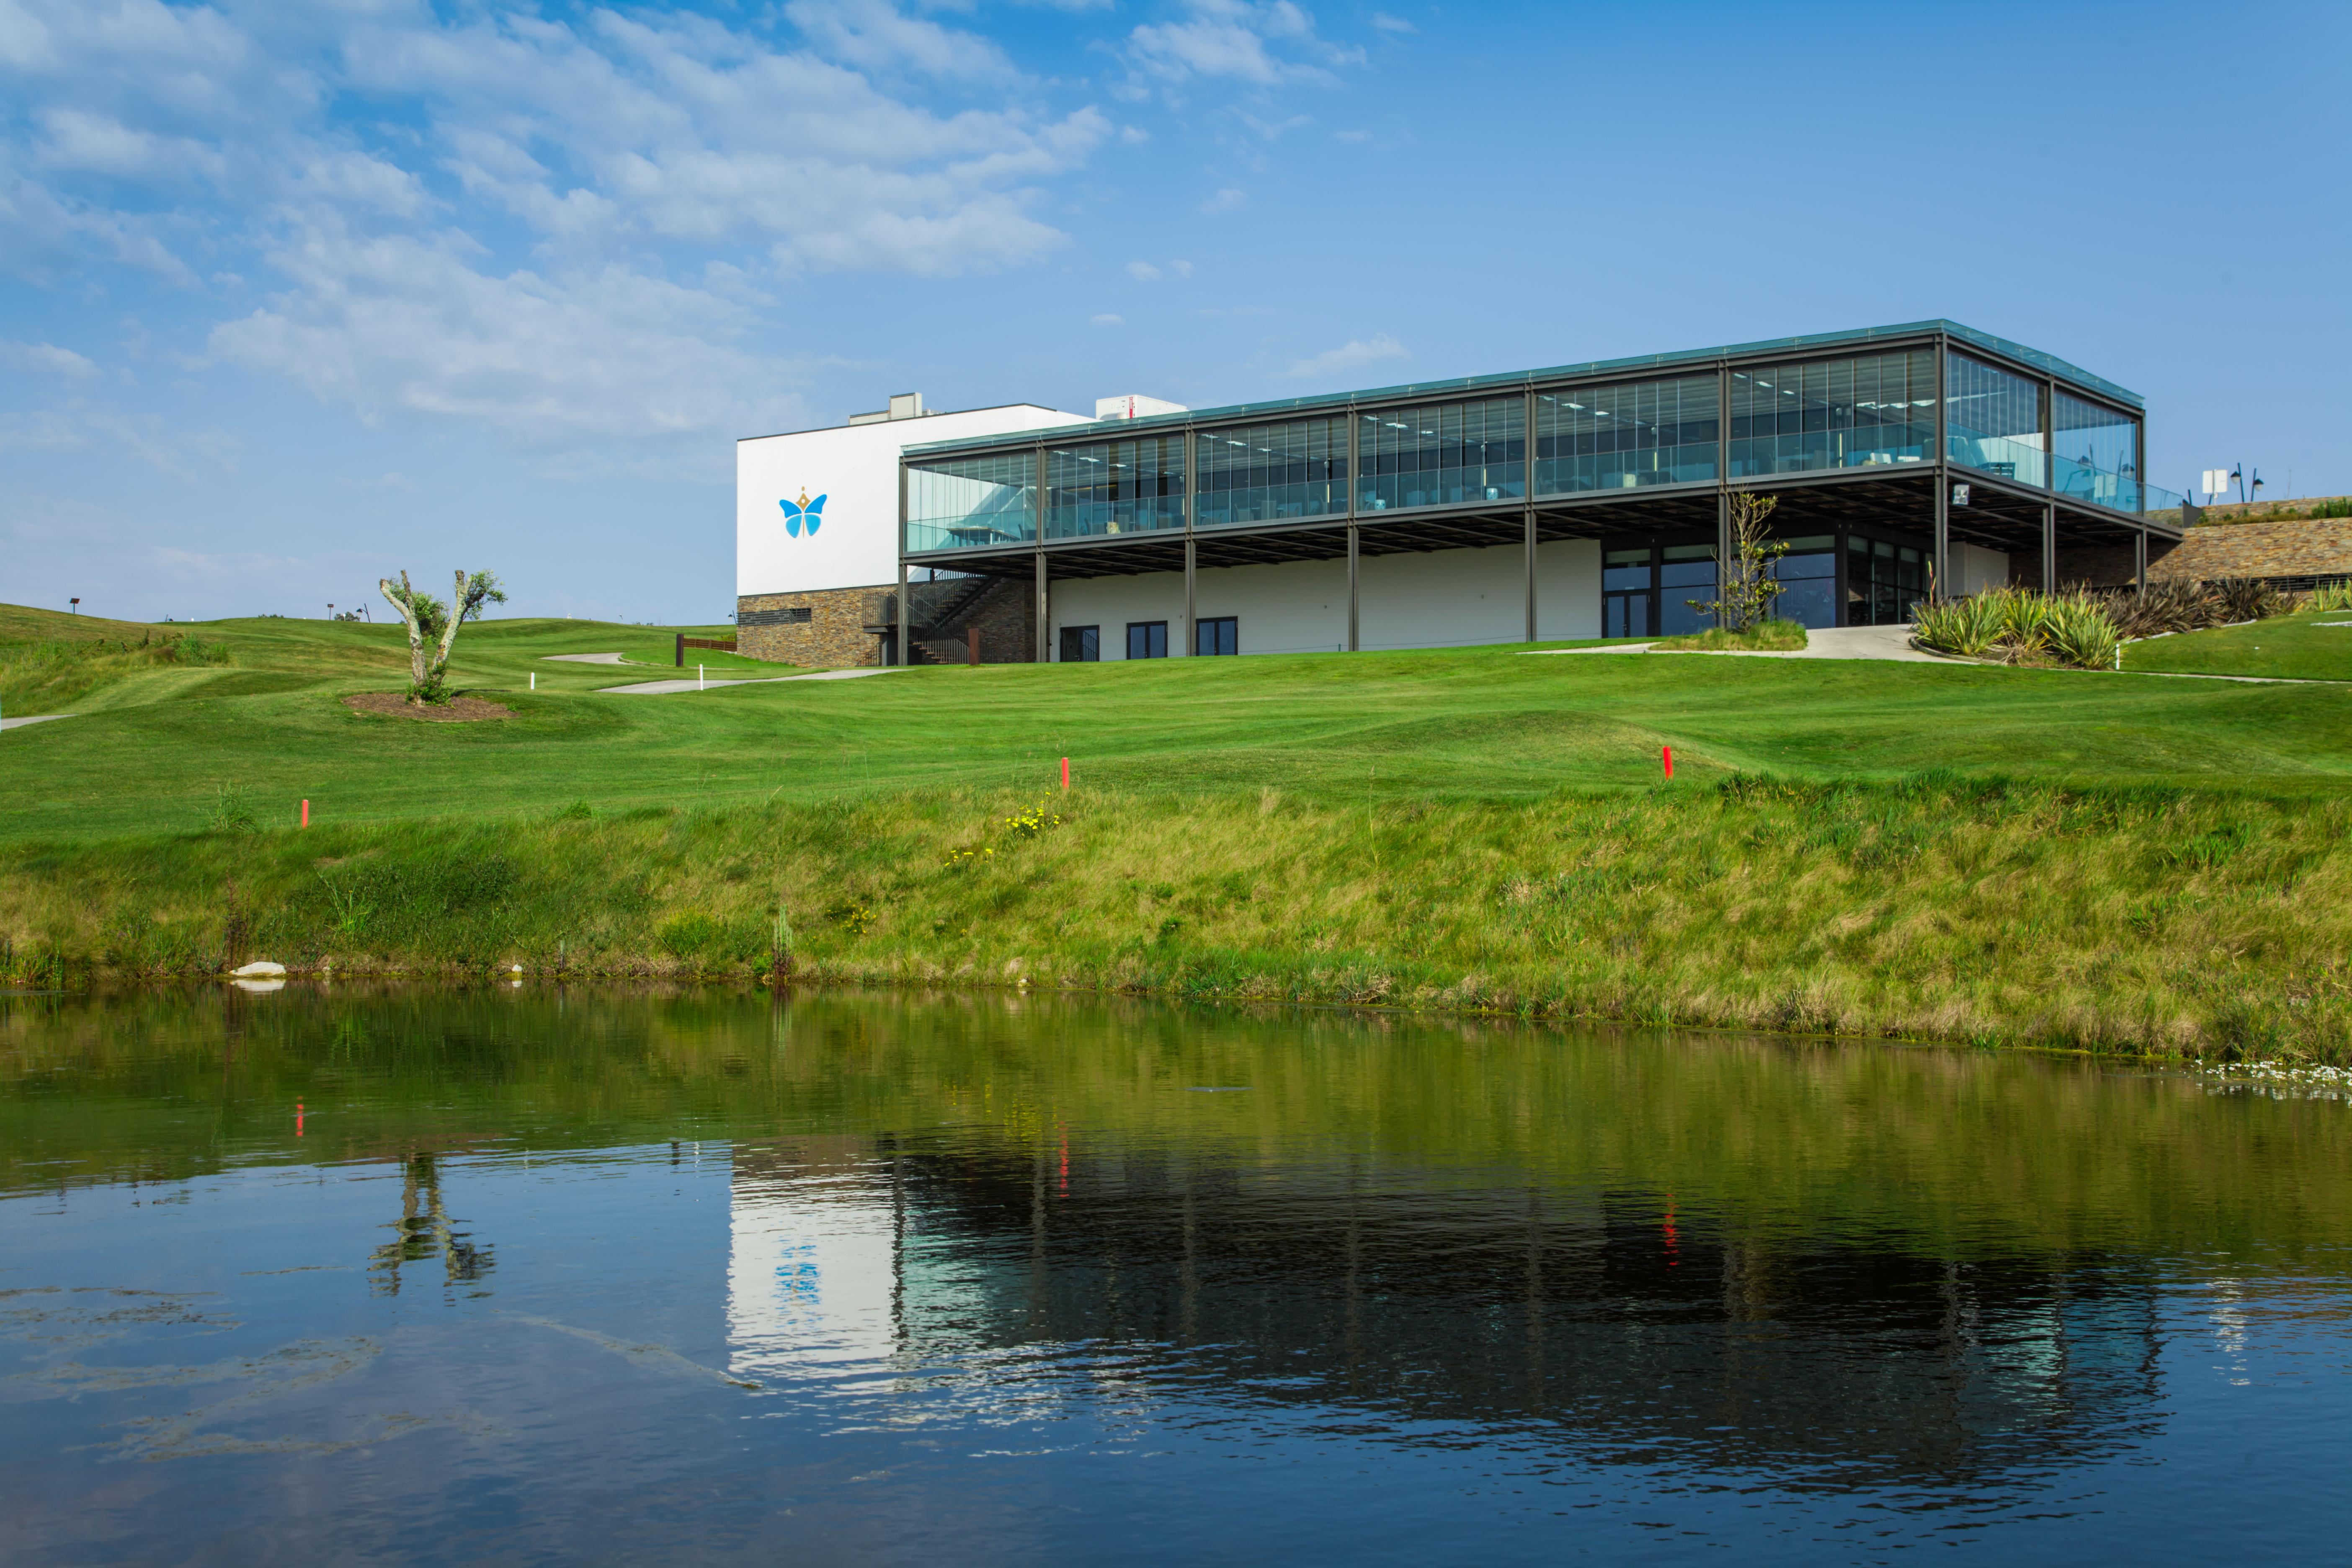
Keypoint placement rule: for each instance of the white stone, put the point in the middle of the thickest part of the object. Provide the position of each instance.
(260, 968)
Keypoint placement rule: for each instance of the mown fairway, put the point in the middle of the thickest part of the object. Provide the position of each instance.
(156, 743)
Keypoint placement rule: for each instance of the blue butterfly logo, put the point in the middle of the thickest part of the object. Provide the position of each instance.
(802, 510)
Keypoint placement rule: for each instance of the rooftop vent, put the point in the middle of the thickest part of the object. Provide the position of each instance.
(1132, 406)
(903, 405)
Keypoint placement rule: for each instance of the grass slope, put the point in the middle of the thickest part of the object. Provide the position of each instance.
(2313, 646)
(1949, 851)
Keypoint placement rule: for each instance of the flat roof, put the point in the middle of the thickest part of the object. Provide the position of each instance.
(916, 419)
(2051, 364)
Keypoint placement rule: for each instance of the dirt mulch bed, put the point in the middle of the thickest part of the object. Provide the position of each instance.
(395, 705)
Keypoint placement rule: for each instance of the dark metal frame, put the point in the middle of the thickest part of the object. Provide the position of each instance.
(2002, 513)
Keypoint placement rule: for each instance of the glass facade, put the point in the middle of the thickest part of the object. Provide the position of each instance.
(1441, 454)
(1686, 572)
(1882, 581)
(959, 503)
(1114, 486)
(1618, 438)
(1081, 645)
(1264, 473)
(1807, 574)
(2094, 453)
(1147, 639)
(1833, 414)
(1221, 635)
(1626, 584)
(1992, 420)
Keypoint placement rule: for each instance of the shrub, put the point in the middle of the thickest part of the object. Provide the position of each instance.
(1770, 636)
(2331, 596)
(2020, 625)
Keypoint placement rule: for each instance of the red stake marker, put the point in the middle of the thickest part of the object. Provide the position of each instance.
(1065, 773)
(298, 1118)
(306, 813)
(1668, 753)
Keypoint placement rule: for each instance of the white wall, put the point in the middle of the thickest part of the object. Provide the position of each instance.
(1977, 568)
(855, 469)
(1446, 599)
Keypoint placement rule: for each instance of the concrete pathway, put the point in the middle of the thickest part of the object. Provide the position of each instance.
(1831, 642)
(585, 658)
(32, 719)
(661, 687)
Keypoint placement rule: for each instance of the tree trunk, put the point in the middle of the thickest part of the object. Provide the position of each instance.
(449, 632)
(400, 601)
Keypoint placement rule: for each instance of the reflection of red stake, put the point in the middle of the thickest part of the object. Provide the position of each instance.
(1672, 1240)
(298, 1118)
(1668, 753)
(1065, 1160)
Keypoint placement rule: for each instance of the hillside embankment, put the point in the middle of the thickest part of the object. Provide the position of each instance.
(2130, 920)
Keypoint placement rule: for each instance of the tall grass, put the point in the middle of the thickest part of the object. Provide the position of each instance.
(47, 672)
(2117, 919)
(2020, 625)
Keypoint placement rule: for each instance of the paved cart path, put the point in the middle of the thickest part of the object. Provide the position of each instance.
(32, 719)
(585, 659)
(660, 688)
(1832, 642)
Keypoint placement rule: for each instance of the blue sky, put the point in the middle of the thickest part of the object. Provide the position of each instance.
(292, 296)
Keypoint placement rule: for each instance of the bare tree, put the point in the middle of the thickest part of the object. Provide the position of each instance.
(433, 629)
(1747, 587)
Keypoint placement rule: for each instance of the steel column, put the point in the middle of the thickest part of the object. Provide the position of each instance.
(1722, 489)
(1352, 587)
(1189, 623)
(1191, 508)
(2139, 559)
(1045, 627)
(1940, 551)
(1528, 489)
(905, 621)
(2050, 547)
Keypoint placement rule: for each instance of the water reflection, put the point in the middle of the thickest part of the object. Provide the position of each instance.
(882, 1277)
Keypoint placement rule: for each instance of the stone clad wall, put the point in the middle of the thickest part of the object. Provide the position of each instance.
(833, 637)
(2315, 547)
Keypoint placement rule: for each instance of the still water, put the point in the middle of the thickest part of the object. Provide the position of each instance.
(529, 1276)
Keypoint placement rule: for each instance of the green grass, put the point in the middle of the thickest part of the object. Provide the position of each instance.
(1773, 636)
(1940, 851)
(2300, 646)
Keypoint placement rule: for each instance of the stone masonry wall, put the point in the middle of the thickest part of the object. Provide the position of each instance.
(2315, 548)
(833, 637)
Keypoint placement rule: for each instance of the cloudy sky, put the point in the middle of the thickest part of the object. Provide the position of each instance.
(293, 295)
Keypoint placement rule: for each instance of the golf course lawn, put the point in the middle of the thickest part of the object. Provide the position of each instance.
(2098, 860)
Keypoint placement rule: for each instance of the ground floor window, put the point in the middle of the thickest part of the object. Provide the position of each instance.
(1808, 577)
(1686, 572)
(1626, 583)
(1081, 645)
(1882, 581)
(1221, 634)
(1147, 639)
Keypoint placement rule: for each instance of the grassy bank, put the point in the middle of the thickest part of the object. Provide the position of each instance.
(2113, 919)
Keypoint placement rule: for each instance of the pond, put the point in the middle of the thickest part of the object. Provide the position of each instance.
(540, 1275)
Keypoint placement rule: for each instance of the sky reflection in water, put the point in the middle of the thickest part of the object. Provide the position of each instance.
(611, 1277)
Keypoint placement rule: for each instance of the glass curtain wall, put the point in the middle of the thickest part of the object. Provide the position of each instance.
(1882, 581)
(1626, 584)
(1833, 414)
(1617, 437)
(1686, 572)
(1441, 454)
(1992, 421)
(2095, 453)
(1807, 574)
(1114, 486)
(968, 502)
(1264, 473)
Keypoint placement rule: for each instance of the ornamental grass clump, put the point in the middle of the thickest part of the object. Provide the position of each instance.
(2019, 625)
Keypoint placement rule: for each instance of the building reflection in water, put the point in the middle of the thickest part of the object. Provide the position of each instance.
(1610, 1325)
(425, 1231)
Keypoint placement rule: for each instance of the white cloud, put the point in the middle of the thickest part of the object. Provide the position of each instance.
(1181, 269)
(173, 449)
(47, 359)
(874, 35)
(573, 365)
(1226, 201)
(1388, 24)
(1106, 321)
(1143, 271)
(1350, 355)
(1233, 41)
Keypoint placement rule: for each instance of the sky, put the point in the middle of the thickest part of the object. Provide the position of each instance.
(296, 296)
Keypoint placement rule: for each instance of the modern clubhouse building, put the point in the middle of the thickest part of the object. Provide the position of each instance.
(1581, 500)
